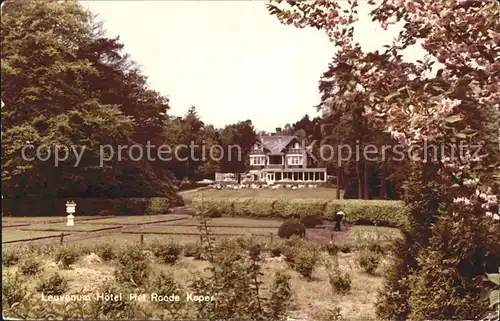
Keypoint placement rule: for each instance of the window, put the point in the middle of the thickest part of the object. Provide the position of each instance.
(256, 147)
(296, 146)
(257, 160)
(295, 160)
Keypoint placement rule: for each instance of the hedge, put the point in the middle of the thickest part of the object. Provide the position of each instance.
(85, 206)
(383, 213)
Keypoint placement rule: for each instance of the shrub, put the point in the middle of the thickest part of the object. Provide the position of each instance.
(345, 248)
(105, 251)
(112, 309)
(13, 289)
(132, 267)
(133, 206)
(165, 286)
(290, 228)
(298, 251)
(54, 285)
(275, 250)
(332, 248)
(306, 260)
(168, 252)
(382, 212)
(281, 297)
(263, 207)
(193, 250)
(378, 247)
(105, 213)
(10, 258)
(311, 221)
(369, 261)
(30, 266)
(66, 255)
(303, 207)
(158, 205)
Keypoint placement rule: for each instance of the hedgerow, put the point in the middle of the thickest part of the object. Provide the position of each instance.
(90, 206)
(380, 212)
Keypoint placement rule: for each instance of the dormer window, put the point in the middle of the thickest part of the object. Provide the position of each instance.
(295, 160)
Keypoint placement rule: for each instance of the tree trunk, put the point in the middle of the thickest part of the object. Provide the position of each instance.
(365, 180)
(383, 183)
(360, 183)
(339, 172)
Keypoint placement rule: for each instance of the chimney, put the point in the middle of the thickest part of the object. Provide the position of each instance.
(278, 131)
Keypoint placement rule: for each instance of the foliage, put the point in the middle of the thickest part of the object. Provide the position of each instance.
(53, 285)
(193, 250)
(275, 250)
(87, 94)
(105, 213)
(105, 251)
(369, 261)
(90, 206)
(66, 255)
(112, 309)
(30, 266)
(165, 286)
(10, 258)
(311, 220)
(346, 248)
(235, 278)
(133, 267)
(290, 228)
(169, 252)
(383, 213)
(340, 282)
(281, 297)
(305, 260)
(13, 288)
(332, 248)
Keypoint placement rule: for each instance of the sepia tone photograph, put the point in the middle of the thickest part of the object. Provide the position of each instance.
(234, 160)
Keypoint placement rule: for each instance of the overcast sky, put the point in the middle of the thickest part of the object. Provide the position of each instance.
(230, 59)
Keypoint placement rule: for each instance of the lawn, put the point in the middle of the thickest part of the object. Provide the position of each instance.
(127, 239)
(361, 233)
(79, 227)
(213, 230)
(133, 220)
(320, 192)
(231, 222)
(40, 219)
(14, 235)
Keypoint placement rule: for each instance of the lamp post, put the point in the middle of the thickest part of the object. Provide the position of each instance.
(70, 209)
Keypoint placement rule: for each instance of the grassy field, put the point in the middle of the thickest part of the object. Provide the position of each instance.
(311, 298)
(133, 220)
(31, 219)
(14, 235)
(230, 222)
(372, 233)
(81, 227)
(320, 192)
(213, 230)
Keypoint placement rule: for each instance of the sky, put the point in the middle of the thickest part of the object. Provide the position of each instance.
(230, 59)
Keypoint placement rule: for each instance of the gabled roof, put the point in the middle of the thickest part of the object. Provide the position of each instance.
(275, 144)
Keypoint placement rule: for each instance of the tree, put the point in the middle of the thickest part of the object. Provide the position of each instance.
(237, 140)
(459, 105)
(63, 84)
